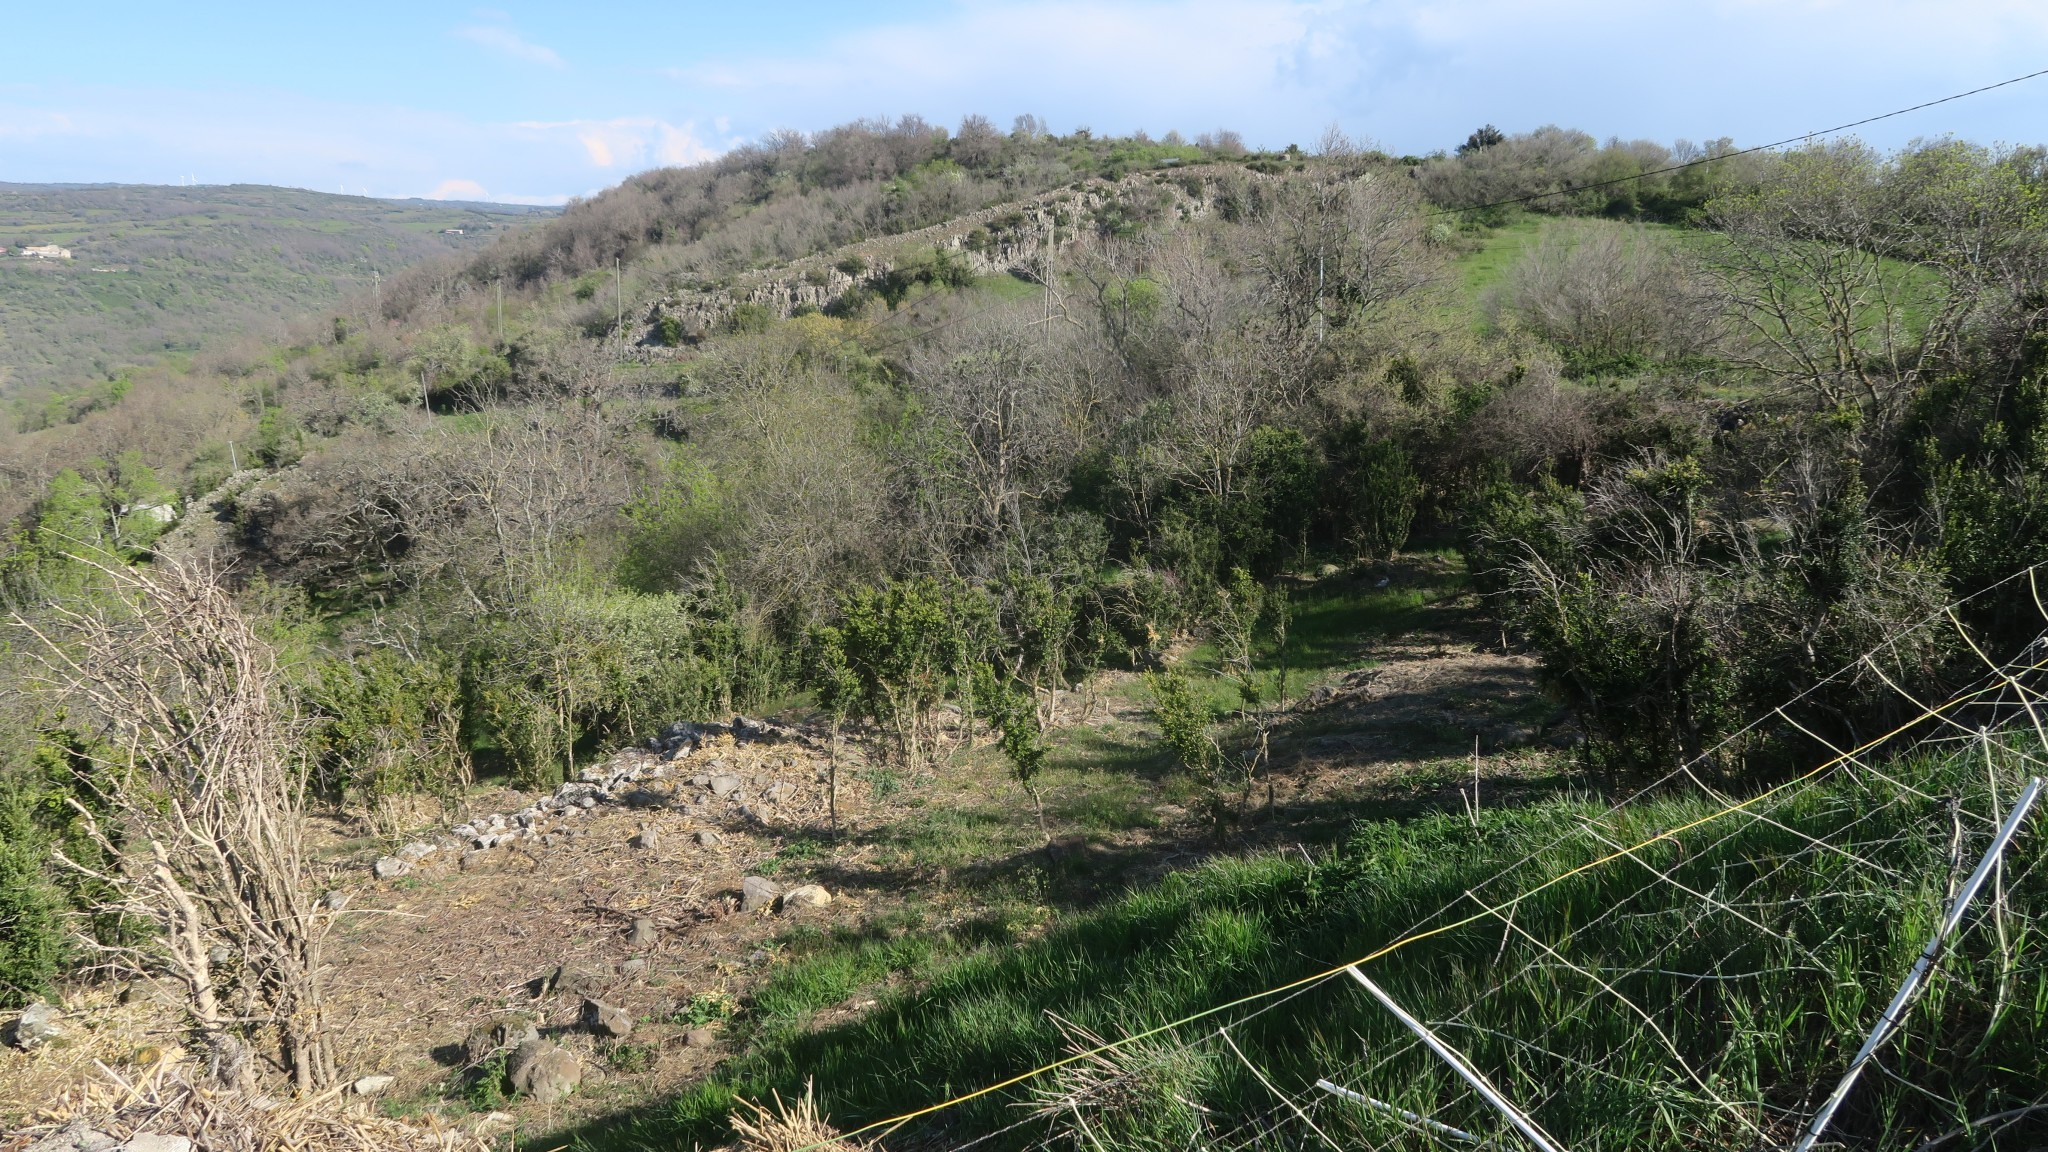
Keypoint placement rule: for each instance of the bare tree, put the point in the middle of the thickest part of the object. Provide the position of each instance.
(1606, 292)
(204, 807)
(1331, 249)
(998, 437)
(1856, 279)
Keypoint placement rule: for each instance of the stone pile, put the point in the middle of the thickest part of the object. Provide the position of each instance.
(620, 780)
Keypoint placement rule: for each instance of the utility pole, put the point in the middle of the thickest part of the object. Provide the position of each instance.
(1052, 236)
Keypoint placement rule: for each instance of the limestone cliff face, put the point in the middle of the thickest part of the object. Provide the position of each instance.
(1005, 239)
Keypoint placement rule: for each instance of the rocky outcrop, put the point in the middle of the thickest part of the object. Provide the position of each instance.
(1005, 239)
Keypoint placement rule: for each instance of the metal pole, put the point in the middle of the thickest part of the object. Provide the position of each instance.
(1403, 1113)
(1895, 1012)
(1523, 1124)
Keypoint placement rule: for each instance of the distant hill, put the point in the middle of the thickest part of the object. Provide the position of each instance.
(159, 270)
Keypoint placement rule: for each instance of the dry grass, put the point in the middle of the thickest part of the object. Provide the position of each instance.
(793, 1125)
(169, 1099)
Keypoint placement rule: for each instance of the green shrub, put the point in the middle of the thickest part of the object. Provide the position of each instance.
(31, 909)
(386, 726)
(749, 319)
(1382, 492)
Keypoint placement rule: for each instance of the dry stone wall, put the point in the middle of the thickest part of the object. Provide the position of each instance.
(1005, 239)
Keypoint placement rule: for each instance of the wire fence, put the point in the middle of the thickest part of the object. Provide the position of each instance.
(1852, 958)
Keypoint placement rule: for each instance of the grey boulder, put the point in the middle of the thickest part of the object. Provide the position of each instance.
(757, 894)
(498, 1035)
(389, 868)
(607, 1019)
(544, 1071)
(38, 1024)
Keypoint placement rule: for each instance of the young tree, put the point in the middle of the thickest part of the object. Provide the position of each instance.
(902, 645)
(830, 677)
(1012, 710)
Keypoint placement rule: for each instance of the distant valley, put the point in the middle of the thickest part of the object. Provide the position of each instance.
(156, 272)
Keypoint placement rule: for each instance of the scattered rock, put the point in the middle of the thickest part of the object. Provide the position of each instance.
(804, 897)
(544, 1071)
(38, 1024)
(151, 1142)
(77, 1136)
(334, 901)
(778, 790)
(373, 1085)
(757, 894)
(607, 1019)
(701, 780)
(709, 839)
(634, 967)
(496, 1036)
(645, 798)
(417, 851)
(647, 839)
(643, 934)
(389, 868)
(570, 981)
(700, 1038)
(219, 954)
(1513, 736)
(725, 784)
(147, 991)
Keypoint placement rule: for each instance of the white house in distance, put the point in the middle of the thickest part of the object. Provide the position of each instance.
(46, 252)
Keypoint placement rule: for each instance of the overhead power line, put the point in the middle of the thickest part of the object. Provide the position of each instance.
(1738, 152)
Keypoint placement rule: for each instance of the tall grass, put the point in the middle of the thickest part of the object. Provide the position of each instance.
(1704, 991)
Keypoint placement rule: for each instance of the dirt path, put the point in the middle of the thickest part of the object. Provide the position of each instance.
(526, 933)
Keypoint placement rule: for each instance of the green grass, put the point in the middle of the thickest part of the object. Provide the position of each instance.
(1008, 288)
(1485, 266)
(1764, 1018)
(1333, 622)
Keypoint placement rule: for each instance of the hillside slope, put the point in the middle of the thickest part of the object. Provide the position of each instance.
(159, 270)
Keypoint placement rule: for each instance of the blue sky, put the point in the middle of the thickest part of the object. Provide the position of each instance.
(540, 102)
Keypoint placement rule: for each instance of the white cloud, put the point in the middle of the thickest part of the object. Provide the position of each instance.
(269, 137)
(630, 143)
(1416, 73)
(458, 190)
(506, 42)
